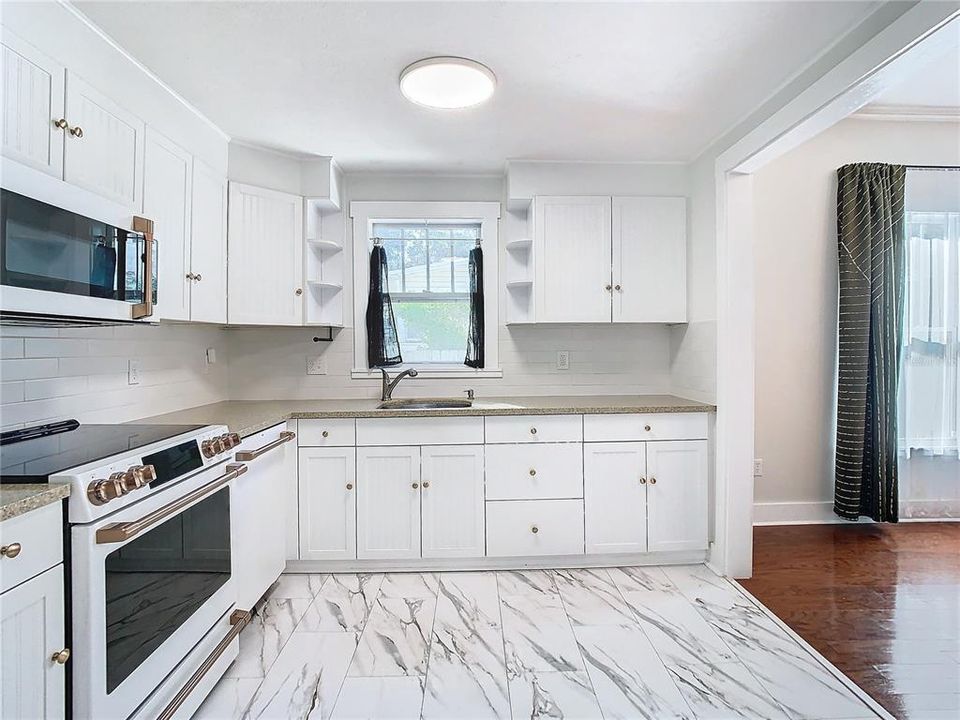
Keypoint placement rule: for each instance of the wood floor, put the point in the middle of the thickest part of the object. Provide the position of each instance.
(881, 602)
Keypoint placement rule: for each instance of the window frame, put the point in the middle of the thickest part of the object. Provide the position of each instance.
(487, 215)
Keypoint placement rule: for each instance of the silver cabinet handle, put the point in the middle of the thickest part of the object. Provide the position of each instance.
(11, 550)
(285, 437)
(77, 132)
(61, 124)
(120, 532)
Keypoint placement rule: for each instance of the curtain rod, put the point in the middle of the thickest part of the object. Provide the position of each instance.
(932, 167)
(377, 241)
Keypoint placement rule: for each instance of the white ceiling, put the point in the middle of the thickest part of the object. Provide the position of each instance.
(935, 86)
(577, 81)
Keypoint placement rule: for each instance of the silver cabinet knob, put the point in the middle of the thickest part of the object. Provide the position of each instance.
(191, 276)
(532, 472)
(534, 529)
(349, 486)
(61, 656)
(653, 481)
(198, 277)
(325, 434)
(298, 291)
(647, 428)
(11, 550)
(426, 483)
(533, 431)
(415, 486)
(643, 481)
(617, 288)
(77, 132)
(608, 288)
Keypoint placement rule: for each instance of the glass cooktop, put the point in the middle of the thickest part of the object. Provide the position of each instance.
(35, 459)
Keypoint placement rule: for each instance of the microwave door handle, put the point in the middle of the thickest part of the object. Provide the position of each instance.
(121, 532)
(144, 226)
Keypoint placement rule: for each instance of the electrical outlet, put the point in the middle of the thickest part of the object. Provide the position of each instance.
(563, 360)
(758, 467)
(133, 372)
(316, 365)
(211, 356)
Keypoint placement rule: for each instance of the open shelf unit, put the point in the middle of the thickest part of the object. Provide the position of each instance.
(518, 267)
(324, 265)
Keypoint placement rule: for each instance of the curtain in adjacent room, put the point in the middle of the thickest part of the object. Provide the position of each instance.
(870, 229)
(475, 331)
(383, 343)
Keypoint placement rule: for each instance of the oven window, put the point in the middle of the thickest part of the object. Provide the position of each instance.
(157, 581)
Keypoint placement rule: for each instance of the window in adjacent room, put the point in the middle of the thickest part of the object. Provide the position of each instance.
(429, 285)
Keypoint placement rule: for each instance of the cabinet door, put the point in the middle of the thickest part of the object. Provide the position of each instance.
(33, 97)
(615, 497)
(328, 503)
(650, 259)
(208, 245)
(264, 269)
(388, 502)
(166, 200)
(31, 631)
(677, 495)
(452, 501)
(572, 259)
(104, 148)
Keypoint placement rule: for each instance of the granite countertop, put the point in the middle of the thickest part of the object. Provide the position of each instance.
(249, 417)
(16, 499)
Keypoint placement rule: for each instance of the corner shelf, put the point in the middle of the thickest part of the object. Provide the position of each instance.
(519, 284)
(325, 285)
(520, 245)
(325, 246)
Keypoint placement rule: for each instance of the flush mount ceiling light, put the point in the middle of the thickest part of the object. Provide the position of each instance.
(447, 83)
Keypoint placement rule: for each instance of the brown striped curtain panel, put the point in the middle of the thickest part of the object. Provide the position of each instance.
(870, 229)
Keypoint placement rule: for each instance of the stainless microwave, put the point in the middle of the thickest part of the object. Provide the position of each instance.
(58, 267)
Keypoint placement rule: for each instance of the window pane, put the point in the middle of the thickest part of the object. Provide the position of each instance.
(440, 259)
(461, 274)
(432, 331)
(415, 265)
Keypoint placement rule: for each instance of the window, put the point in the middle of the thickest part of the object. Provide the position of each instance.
(430, 286)
(427, 247)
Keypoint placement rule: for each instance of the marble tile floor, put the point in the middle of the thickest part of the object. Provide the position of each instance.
(633, 642)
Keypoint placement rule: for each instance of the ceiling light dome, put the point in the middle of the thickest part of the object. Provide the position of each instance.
(447, 83)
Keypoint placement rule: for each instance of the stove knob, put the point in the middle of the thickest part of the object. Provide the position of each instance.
(206, 447)
(232, 440)
(217, 445)
(137, 477)
(148, 473)
(100, 492)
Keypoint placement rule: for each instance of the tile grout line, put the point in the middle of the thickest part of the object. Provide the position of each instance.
(503, 640)
(426, 670)
(563, 604)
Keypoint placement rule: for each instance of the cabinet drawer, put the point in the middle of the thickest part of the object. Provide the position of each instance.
(516, 528)
(40, 535)
(530, 472)
(534, 428)
(328, 432)
(420, 431)
(659, 426)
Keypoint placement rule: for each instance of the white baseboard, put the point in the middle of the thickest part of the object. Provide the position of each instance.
(821, 513)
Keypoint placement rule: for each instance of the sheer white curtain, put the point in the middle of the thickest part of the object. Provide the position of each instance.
(929, 402)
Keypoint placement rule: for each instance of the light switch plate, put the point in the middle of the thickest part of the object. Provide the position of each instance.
(316, 365)
(563, 360)
(133, 372)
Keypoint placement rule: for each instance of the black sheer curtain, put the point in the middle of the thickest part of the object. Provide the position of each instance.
(383, 344)
(475, 332)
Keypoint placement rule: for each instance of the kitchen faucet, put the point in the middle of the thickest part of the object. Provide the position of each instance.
(387, 388)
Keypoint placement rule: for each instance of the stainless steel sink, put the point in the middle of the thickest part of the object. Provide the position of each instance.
(424, 404)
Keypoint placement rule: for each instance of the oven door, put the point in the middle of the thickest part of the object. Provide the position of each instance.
(148, 583)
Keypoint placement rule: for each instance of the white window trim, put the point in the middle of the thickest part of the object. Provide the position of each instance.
(487, 214)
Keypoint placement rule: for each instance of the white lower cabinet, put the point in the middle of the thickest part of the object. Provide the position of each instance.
(31, 633)
(451, 501)
(534, 527)
(388, 503)
(615, 497)
(328, 503)
(677, 495)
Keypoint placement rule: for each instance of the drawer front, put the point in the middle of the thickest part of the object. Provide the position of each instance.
(420, 431)
(40, 536)
(517, 528)
(525, 472)
(327, 432)
(534, 428)
(661, 426)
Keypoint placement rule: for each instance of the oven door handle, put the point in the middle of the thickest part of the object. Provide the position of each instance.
(239, 620)
(285, 437)
(121, 532)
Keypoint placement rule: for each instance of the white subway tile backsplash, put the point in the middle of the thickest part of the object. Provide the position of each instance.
(27, 369)
(55, 347)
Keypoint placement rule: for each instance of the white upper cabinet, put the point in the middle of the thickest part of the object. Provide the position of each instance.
(166, 200)
(650, 259)
(603, 259)
(452, 501)
(33, 96)
(265, 264)
(572, 251)
(208, 246)
(615, 497)
(103, 145)
(677, 495)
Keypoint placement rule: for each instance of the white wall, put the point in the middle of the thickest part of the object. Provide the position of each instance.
(51, 374)
(796, 301)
